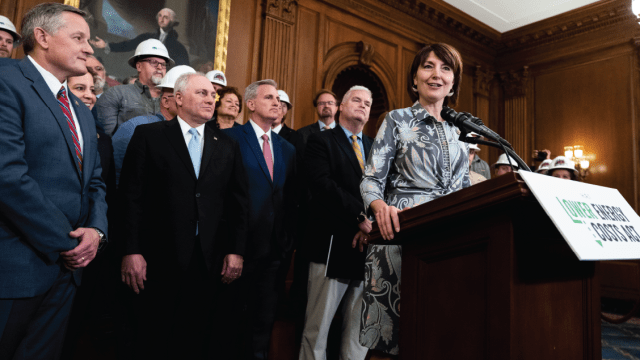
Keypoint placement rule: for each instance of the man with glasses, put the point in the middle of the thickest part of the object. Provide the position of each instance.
(121, 103)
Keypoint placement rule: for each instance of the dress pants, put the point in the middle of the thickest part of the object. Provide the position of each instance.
(173, 314)
(34, 328)
(325, 295)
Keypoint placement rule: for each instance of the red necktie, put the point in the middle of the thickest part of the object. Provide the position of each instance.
(266, 151)
(64, 105)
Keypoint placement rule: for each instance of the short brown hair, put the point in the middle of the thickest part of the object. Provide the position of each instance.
(323, 91)
(47, 16)
(450, 56)
(228, 90)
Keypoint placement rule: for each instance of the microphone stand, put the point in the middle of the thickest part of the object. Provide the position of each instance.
(510, 152)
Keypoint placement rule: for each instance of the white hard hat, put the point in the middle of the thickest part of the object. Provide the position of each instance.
(169, 80)
(151, 47)
(473, 146)
(562, 162)
(7, 25)
(284, 97)
(502, 160)
(544, 166)
(217, 77)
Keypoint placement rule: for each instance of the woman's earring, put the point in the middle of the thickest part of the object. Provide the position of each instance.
(414, 88)
(450, 93)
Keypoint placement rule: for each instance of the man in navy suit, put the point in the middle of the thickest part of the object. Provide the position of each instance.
(52, 196)
(270, 164)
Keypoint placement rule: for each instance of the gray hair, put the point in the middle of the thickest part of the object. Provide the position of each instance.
(171, 13)
(183, 81)
(251, 92)
(47, 16)
(349, 92)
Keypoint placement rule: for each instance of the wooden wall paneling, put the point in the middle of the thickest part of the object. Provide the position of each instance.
(240, 48)
(577, 105)
(278, 40)
(515, 84)
(306, 64)
(482, 81)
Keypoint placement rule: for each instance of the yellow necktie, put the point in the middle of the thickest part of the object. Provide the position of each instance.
(356, 148)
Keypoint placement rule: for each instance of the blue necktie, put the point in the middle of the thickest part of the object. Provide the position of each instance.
(194, 150)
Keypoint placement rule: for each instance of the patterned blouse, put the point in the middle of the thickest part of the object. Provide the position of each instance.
(415, 159)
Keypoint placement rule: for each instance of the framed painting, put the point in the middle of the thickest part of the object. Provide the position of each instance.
(195, 32)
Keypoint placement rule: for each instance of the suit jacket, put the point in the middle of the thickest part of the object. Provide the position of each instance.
(272, 203)
(43, 193)
(302, 136)
(176, 50)
(162, 200)
(287, 133)
(333, 175)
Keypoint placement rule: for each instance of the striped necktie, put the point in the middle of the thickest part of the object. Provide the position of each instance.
(356, 148)
(63, 101)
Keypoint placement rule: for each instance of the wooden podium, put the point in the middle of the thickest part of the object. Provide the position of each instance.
(486, 275)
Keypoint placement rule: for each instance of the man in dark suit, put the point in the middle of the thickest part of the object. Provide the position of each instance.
(271, 168)
(334, 165)
(278, 126)
(166, 34)
(174, 201)
(326, 104)
(52, 196)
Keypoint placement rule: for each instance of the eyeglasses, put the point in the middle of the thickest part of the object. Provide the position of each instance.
(326, 103)
(155, 63)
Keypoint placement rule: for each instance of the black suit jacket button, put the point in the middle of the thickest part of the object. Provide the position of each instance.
(197, 194)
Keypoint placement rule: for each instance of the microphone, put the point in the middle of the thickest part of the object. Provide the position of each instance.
(469, 122)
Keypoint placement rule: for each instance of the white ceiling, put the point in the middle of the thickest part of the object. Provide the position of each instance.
(506, 15)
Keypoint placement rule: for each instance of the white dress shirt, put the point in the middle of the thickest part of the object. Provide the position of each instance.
(322, 125)
(54, 85)
(259, 133)
(277, 129)
(187, 137)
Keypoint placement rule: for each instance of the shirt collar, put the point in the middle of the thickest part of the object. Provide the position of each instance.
(52, 82)
(259, 131)
(277, 129)
(322, 125)
(349, 133)
(186, 127)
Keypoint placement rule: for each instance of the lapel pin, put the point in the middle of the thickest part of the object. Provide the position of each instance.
(215, 138)
(76, 103)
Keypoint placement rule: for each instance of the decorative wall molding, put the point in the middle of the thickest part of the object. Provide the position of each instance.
(482, 80)
(514, 82)
(282, 9)
(366, 53)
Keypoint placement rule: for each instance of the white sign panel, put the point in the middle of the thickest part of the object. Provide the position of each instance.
(596, 221)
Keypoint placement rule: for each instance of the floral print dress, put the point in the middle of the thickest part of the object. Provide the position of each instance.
(414, 159)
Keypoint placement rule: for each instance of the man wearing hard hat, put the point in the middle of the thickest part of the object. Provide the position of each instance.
(9, 37)
(504, 165)
(121, 103)
(278, 126)
(217, 78)
(168, 111)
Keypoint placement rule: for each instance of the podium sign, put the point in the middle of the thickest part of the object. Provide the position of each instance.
(596, 221)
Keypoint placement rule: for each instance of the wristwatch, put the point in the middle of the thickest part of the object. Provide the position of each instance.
(362, 217)
(103, 238)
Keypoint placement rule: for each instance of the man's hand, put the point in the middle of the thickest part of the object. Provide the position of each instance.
(361, 239)
(98, 43)
(81, 255)
(365, 226)
(231, 268)
(134, 271)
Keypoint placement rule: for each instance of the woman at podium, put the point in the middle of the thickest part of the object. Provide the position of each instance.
(416, 157)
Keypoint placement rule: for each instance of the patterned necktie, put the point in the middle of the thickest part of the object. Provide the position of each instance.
(356, 148)
(266, 151)
(66, 109)
(194, 150)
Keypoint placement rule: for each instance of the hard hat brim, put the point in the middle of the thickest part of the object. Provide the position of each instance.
(134, 59)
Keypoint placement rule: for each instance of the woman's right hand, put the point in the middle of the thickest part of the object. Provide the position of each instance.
(387, 218)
